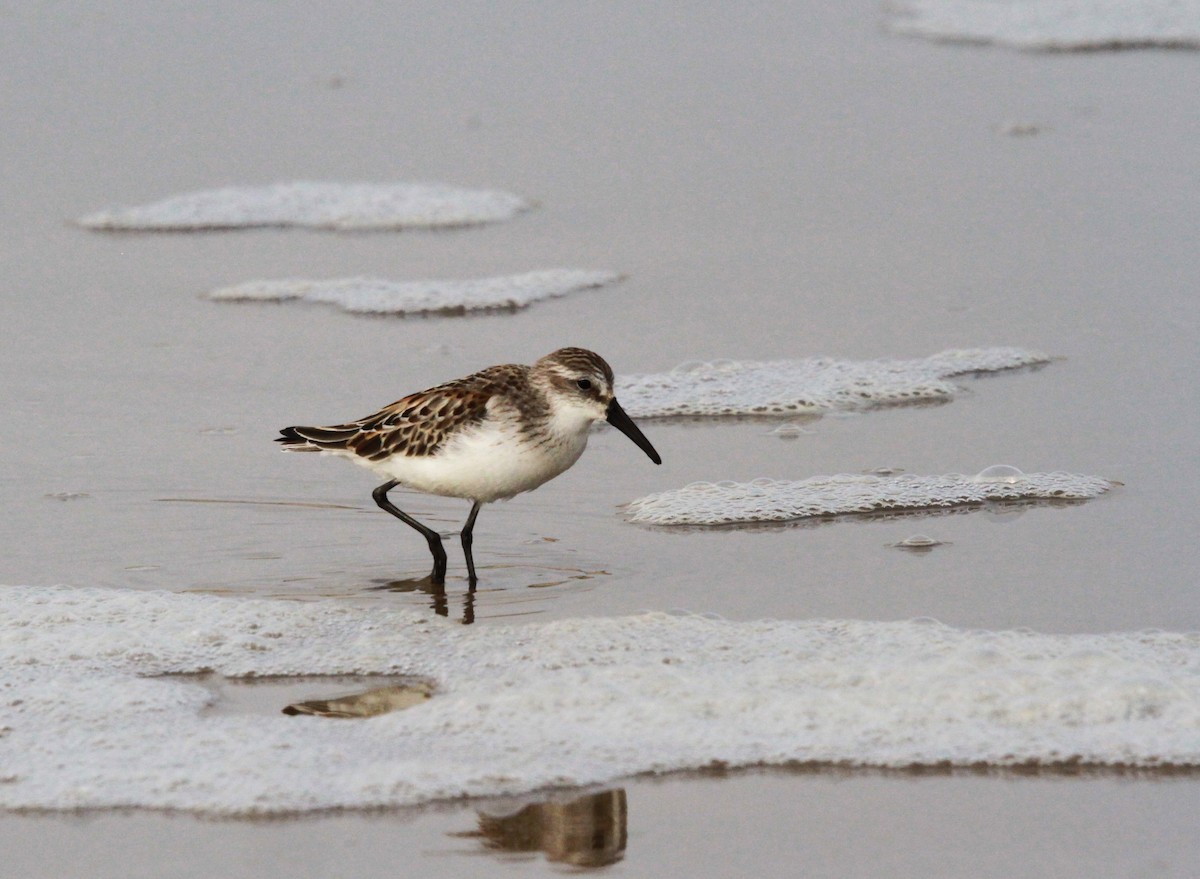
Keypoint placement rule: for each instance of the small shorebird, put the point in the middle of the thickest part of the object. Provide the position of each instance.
(487, 437)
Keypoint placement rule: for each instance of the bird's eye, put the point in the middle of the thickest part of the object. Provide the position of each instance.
(584, 384)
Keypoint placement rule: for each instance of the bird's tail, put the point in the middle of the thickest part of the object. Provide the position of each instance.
(316, 439)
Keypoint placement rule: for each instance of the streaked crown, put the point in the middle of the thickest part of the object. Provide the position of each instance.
(577, 363)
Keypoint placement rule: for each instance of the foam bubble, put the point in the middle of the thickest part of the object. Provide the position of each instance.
(766, 500)
(342, 206)
(84, 723)
(377, 296)
(749, 387)
(1054, 25)
(1000, 473)
(789, 430)
(920, 542)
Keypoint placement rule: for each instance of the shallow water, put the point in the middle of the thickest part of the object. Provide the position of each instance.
(780, 183)
(826, 824)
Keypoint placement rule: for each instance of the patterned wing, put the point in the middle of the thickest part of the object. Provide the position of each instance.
(416, 425)
(420, 423)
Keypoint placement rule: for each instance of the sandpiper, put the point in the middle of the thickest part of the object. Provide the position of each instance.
(487, 437)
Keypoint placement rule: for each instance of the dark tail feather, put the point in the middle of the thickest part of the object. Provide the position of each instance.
(315, 438)
(289, 437)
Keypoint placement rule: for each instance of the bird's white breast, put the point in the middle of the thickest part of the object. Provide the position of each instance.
(494, 460)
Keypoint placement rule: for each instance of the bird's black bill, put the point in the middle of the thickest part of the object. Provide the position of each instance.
(617, 418)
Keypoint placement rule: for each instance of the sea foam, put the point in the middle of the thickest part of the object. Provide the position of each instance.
(340, 206)
(86, 721)
(1054, 25)
(774, 500)
(378, 296)
(818, 384)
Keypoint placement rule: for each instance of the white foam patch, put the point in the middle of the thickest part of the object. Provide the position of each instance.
(769, 500)
(1054, 25)
(341, 206)
(570, 702)
(377, 296)
(777, 387)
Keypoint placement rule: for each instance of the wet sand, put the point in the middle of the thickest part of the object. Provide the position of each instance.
(776, 183)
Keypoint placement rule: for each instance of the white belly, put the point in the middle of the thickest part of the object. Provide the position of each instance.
(488, 463)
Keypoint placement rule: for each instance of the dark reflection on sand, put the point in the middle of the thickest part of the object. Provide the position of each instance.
(587, 831)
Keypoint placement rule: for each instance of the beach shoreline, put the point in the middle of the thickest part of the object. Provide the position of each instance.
(782, 182)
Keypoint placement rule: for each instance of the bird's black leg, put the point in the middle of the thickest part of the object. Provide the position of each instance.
(467, 539)
(431, 537)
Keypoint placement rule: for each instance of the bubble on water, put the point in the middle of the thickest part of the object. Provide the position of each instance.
(789, 431)
(918, 542)
(1000, 473)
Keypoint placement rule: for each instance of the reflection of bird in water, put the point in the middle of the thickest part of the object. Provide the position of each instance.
(367, 703)
(437, 592)
(487, 437)
(588, 831)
